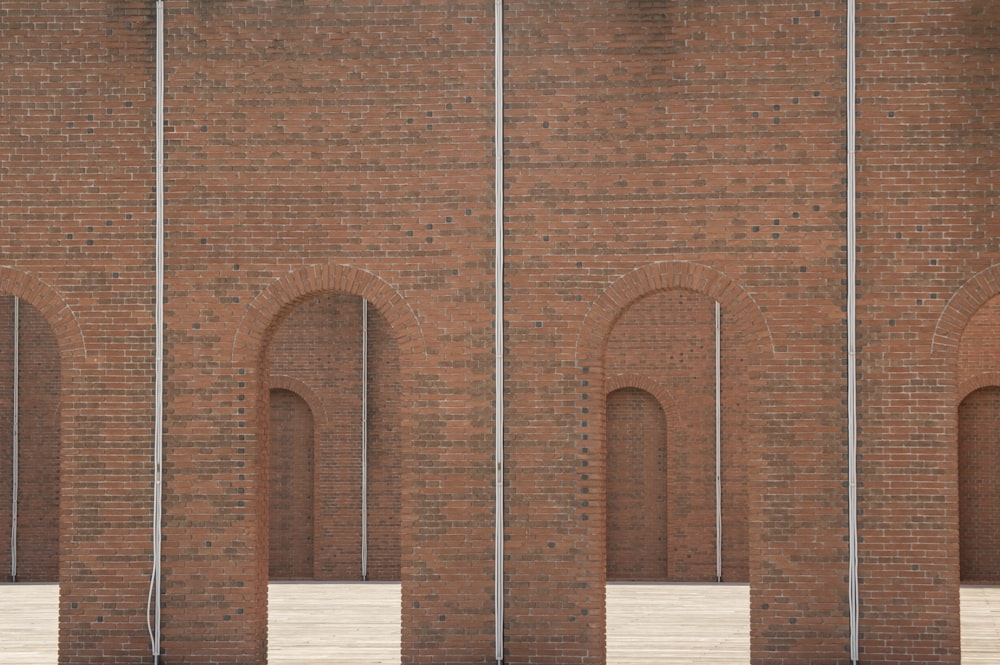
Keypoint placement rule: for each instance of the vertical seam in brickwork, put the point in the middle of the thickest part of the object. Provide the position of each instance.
(364, 439)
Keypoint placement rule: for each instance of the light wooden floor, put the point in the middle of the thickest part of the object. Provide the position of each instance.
(358, 624)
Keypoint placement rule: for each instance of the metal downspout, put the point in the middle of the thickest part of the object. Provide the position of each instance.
(15, 441)
(852, 388)
(498, 321)
(153, 622)
(718, 441)
(364, 439)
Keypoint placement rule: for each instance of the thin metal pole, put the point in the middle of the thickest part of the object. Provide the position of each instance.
(498, 321)
(718, 441)
(155, 591)
(15, 441)
(364, 439)
(852, 417)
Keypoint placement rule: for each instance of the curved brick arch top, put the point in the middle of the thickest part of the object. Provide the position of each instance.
(977, 382)
(52, 307)
(302, 389)
(962, 306)
(659, 392)
(737, 304)
(268, 309)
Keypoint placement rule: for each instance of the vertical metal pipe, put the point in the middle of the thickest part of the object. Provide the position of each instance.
(155, 591)
(15, 440)
(498, 320)
(852, 417)
(364, 439)
(718, 441)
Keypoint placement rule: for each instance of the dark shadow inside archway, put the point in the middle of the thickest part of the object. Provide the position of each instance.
(334, 492)
(979, 486)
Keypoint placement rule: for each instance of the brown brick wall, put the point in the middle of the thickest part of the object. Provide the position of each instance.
(927, 125)
(317, 151)
(652, 149)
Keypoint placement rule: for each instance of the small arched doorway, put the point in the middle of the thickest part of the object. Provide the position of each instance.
(636, 487)
(979, 486)
(291, 497)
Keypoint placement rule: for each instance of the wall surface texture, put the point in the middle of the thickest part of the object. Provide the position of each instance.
(660, 156)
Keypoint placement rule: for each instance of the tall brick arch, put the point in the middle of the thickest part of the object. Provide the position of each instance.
(638, 484)
(43, 517)
(966, 340)
(961, 307)
(265, 313)
(261, 320)
(738, 304)
(745, 319)
(50, 304)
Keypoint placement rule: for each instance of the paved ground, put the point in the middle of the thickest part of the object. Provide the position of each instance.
(314, 624)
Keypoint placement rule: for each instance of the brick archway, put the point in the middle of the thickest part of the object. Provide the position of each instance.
(267, 310)
(637, 487)
(963, 340)
(47, 426)
(303, 390)
(745, 320)
(662, 395)
(260, 322)
(738, 304)
(960, 309)
(57, 353)
(53, 308)
(969, 385)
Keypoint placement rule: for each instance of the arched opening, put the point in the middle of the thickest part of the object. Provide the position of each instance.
(676, 482)
(979, 486)
(636, 487)
(290, 556)
(334, 491)
(29, 444)
(30, 393)
(970, 326)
